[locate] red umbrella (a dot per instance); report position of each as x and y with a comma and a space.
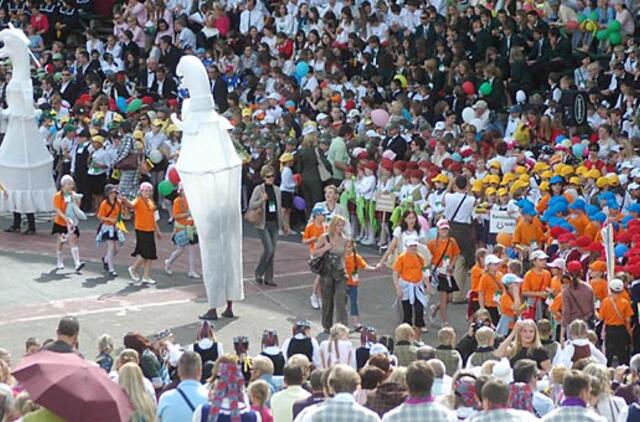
73, 388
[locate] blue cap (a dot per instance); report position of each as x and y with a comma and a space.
316, 211
620, 250
528, 210
591, 209
558, 200
599, 217
556, 179
613, 204
606, 196
635, 208
627, 218
524, 203
578, 204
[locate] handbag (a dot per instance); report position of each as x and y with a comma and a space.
130, 162
324, 167
254, 215
317, 264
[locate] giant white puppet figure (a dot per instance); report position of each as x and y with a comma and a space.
25, 163
210, 171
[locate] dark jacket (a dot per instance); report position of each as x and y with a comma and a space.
387, 396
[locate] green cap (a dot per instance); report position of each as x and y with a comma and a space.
57, 56
70, 128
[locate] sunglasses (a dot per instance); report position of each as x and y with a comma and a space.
269, 176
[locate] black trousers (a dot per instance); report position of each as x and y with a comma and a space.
17, 220
617, 343
413, 314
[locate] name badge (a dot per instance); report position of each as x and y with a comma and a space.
272, 207
156, 215
497, 296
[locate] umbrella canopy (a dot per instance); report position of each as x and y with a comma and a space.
73, 388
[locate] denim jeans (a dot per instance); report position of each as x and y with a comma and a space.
352, 293
269, 238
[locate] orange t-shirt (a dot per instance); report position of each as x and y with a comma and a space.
544, 202
609, 316
556, 306
476, 273
437, 249
506, 306
180, 206
592, 231
145, 214
107, 210
555, 285
312, 230
60, 204
535, 281
600, 288
580, 222
526, 233
409, 266
352, 262
489, 286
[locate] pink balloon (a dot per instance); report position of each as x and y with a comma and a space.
379, 117
173, 176
571, 25
468, 88
424, 225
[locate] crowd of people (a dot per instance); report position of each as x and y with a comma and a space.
489, 148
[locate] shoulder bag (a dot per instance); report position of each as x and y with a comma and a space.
317, 264
130, 162
324, 166
254, 215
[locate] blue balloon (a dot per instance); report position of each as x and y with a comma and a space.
560, 138
620, 250
578, 150
302, 69
121, 102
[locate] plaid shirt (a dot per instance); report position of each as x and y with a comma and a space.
341, 408
503, 415
573, 414
413, 411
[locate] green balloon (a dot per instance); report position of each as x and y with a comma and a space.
582, 17
602, 34
615, 38
165, 188
614, 26
134, 105
594, 16
485, 88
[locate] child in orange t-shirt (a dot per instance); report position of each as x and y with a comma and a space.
490, 287
146, 231
312, 233
557, 267
509, 303
597, 281
444, 254
408, 279
536, 283
65, 225
108, 232
353, 263
476, 272
616, 314
184, 236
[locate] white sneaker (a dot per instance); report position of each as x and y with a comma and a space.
135, 277
315, 303
60, 266
193, 274
167, 267
149, 281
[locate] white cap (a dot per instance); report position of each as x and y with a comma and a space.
274, 96
627, 165
353, 113
481, 104
635, 172
412, 241
502, 371
538, 255
616, 285
521, 97
377, 349
511, 278
491, 259
633, 186
321, 116
443, 224
557, 263
308, 129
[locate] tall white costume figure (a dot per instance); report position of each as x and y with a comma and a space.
210, 171
25, 163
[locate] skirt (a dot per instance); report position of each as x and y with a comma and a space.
145, 245
287, 200
447, 284
97, 183
58, 229
108, 232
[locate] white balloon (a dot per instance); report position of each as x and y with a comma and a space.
468, 114
155, 156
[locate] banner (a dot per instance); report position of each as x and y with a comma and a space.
385, 202
609, 252
501, 222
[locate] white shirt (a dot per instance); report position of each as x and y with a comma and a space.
186, 39
102, 157
249, 18
346, 354
451, 203
286, 180
366, 187
314, 344
564, 354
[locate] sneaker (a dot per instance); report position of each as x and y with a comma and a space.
60, 266
432, 314
210, 315
167, 267
113, 274
424, 329
79, 267
149, 281
135, 277
315, 303
193, 274
91, 214
12, 229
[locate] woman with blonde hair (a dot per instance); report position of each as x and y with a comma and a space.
524, 343
333, 277
337, 349
307, 163
130, 379
130, 356
604, 402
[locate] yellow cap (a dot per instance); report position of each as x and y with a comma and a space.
524, 178
171, 129
547, 174
544, 186
137, 134
98, 115
117, 117
286, 157
502, 192
93, 131
97, 138
490, 191
246, 112
157, 122
613, 179
477, 186
442, 178
540, 167
602, 182
574, 180
507, 178
566, 171
494, 179
520, 170
487, 178
593, 174
495, 163
581, 170
64, 119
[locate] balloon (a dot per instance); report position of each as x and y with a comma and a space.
468, 114
582, 17
298, 203
578, 150
594, 16
614, 26
560, 138
620, 250
572, 25
602, 34
165, 188
379, 117
468, 88
302, 69
121, 102
485, 88
155, 156
173, 176
432, 233
590, 26
423, 222
505, 239
615, 38
134, 105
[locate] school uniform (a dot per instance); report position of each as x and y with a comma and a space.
145, 224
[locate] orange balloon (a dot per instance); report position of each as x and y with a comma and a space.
505, 239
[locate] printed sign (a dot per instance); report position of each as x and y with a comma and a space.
385, 202
501, 222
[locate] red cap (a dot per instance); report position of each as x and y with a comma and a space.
412, 165
415, 173
596, 247
470, 167
406, 174
634, 270
456, 167
349, 169
574, 267
624, 237
557, 231
583, 242
446, 162
566, 238
633, 252
424, 164
363, 155
371, 165
400, 165
386, 165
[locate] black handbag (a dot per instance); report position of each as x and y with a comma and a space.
317, 264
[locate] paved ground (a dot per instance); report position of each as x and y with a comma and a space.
35, 295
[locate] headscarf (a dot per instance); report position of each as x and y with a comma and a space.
521, 397
229, 385
465, 388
